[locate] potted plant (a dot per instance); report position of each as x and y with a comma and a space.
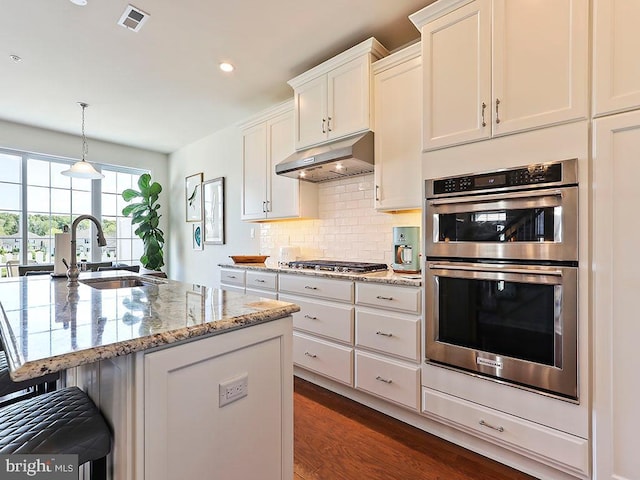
144, 213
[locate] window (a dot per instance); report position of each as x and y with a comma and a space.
37, 199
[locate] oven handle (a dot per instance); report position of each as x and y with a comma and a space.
500, 196
488, 268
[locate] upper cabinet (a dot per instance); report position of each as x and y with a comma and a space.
493, 67
266, 141
616, 70
398, 124
333, 100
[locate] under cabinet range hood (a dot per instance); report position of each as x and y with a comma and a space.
343, 158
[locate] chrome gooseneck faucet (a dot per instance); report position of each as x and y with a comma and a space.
72, 271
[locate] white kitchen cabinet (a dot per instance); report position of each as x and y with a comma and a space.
266, 141
388, 338
616, 281
323, 328
398, 126
232, 279
511, 431
183, 407
333, 100
262, 284
493, 67
329, 359
616, 70
251, 282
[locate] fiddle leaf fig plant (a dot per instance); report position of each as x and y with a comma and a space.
144, 213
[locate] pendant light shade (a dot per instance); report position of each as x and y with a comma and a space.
83, 169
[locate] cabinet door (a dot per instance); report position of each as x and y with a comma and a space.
254, 183
616, 281
184, 418
540, 63
283, 196
398, 95
456, 61
311, 107
616, 71
349, 98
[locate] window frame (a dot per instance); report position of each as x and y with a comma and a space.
95, 193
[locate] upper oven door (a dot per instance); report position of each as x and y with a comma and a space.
524, 225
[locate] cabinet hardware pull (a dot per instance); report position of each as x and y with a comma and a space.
323, 129
268, 209
384, 334
264, 207
377, 193
232, 276
484, 107
329, 124
310, 317
485, 424
380, 297
310, 288
259, 280
382, 379
497, 113
312, 355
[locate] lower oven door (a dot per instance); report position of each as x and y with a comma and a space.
513, 322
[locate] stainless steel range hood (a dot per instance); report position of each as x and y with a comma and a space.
342, 158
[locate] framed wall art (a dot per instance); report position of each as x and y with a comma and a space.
196, 236
213, 200
193, 197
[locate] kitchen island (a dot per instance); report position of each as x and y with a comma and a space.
183, 373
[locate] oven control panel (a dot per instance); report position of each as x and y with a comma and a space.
517, 177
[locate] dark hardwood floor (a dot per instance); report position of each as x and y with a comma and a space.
338, 439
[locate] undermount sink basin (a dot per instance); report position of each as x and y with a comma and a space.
110, 283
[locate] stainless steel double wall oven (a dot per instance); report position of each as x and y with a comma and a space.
501, 274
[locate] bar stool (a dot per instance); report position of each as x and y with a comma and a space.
32, 387
62, 422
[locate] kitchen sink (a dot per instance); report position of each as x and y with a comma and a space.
110, 283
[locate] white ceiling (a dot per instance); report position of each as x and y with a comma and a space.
161, 88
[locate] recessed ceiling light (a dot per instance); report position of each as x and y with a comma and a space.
82, 3
15, 58
226, 67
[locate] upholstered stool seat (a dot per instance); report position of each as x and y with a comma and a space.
8, 386
65, 421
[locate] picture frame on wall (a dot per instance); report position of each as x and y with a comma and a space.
193, 197
197, 236
213, 201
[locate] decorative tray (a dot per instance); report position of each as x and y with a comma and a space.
248, 258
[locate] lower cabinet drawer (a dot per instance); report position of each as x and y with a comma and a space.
262, 293
232, 288
325, 358
262, 280
232, 276
388, 332
509, 431
390, 379
322, 318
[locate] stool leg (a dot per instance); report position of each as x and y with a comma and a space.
99, 469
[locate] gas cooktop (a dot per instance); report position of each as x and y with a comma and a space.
338, 266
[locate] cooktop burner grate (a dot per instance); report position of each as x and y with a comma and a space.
338, 266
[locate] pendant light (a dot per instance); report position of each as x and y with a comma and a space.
83, 169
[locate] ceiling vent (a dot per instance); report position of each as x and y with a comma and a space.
133, 18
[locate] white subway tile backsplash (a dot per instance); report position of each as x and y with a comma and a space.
348, 227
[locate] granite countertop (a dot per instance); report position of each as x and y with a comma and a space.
389, 276
47, 327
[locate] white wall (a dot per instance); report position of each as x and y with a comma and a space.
217, 155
